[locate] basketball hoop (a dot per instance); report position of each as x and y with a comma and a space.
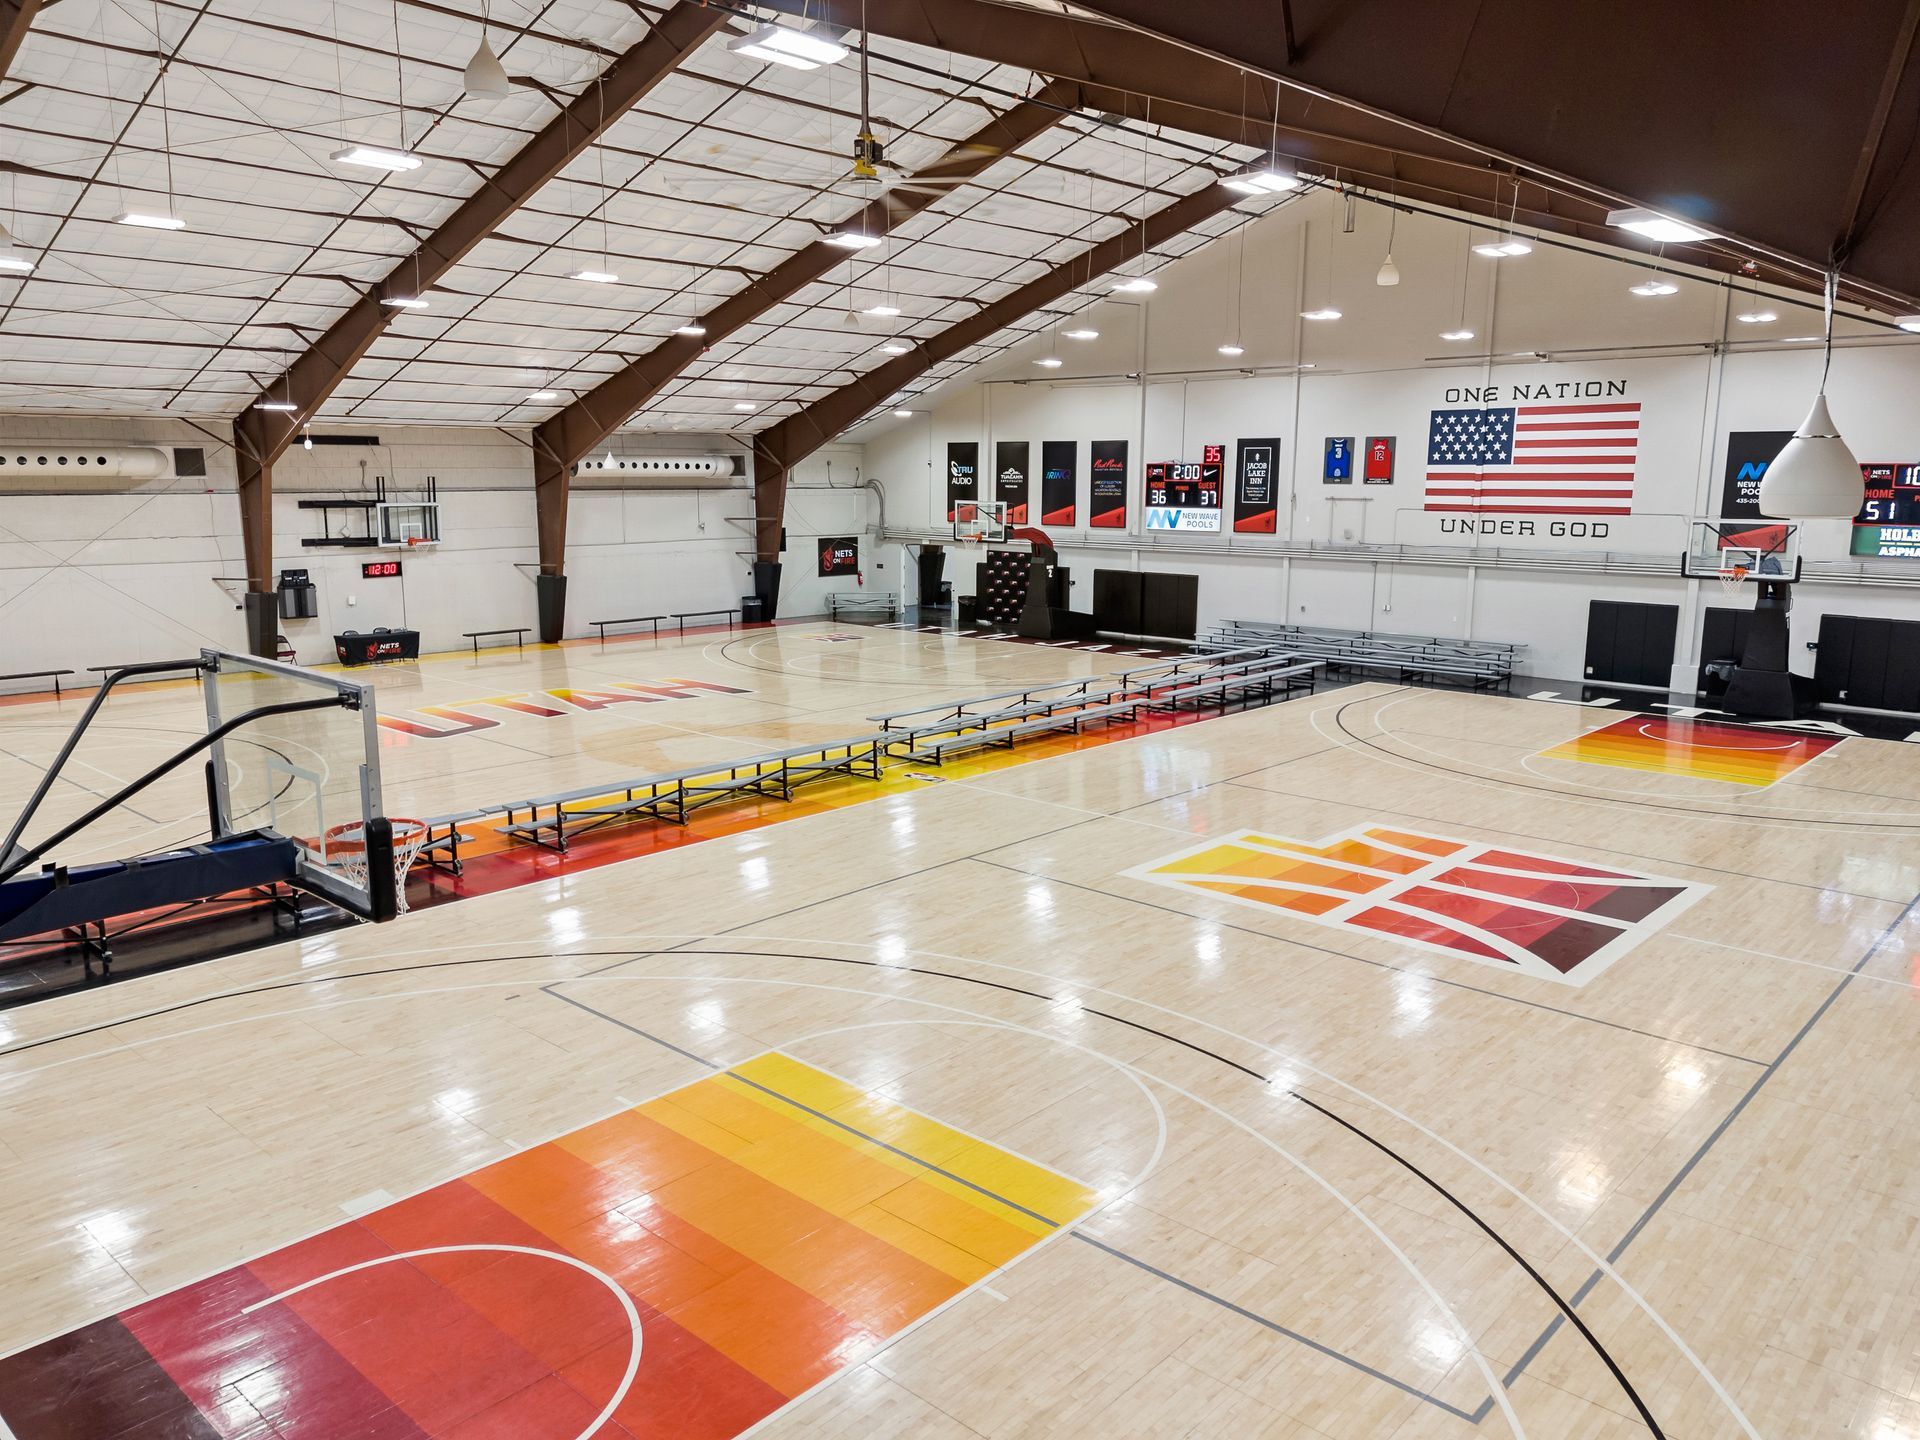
344, 848
1730, 579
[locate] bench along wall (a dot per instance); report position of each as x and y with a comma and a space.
1155, 379
96, 570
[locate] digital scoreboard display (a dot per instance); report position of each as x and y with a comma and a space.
379, 569
1888, 525
1186, 495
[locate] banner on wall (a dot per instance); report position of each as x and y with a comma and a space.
839, 555
1010, 459
963, 478
1256, 498
1337, 466
1379, 460
1059, 481
1107, 499
1749, 452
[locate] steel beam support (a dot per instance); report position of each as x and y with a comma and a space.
16, 18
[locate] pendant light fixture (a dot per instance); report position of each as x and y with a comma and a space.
166, 219
1233, 348
1461, 330
1327, 311
1816, 477
379, 157
485, 77
605, 274
13, 261
1389, 272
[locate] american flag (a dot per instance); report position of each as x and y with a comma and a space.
1533, 459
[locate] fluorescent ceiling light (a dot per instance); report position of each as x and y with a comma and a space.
1656, 226
903, 414
1233, 349
149, 222
1137, 285
881, 310
692, 327
894, 349
1051, 362
1799, 340
1655, 286
853, 240
1456, 334
1087, 332
1325, 312
594, 277
1909, 322
12, 262
281, 405
375, 158
1503, 247
1264, 181
544, 395
796, 49
745, 405
404, 302
1756, 317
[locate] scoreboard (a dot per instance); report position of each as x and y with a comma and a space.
1186, 495
1888, 525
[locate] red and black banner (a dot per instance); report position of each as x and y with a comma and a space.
963, 478
1059, 480
1107, 498
1256, 494
1010, 460
839, 555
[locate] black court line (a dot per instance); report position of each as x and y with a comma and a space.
1560, 1301
1472, 1417
1693, 1161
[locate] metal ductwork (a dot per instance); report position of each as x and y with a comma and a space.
664, 472
110, 462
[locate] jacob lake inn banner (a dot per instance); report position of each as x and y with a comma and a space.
1541, 464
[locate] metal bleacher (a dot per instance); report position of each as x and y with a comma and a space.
927, 735
1478, 664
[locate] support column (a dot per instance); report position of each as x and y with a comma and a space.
552, 488
769, 515
261, 601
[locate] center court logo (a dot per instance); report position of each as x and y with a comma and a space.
1552, 919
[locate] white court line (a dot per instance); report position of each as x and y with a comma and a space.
635, 1338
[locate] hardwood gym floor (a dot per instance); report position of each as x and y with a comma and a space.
1384, 1063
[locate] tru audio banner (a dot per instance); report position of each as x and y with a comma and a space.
1059, 480
1010, 459
963, 478
1256, 504
1107, 501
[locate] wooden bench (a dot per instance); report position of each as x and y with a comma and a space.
653, 620
685, 615
519, 633
53, 675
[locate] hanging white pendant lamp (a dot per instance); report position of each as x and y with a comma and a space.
1389, 272
486, 77
1816, 477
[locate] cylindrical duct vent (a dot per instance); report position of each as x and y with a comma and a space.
684, 468
113, 462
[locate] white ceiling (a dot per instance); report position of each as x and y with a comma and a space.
725, 170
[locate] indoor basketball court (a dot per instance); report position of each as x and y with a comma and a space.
939, 718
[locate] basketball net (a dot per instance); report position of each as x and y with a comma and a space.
1730, 579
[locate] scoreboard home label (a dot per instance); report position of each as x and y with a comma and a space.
1182, 495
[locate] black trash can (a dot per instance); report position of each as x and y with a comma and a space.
967, 606
753, 610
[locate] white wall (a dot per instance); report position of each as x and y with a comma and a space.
1156, 379
96, 572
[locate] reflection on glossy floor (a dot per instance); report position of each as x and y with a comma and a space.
1335, 1182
